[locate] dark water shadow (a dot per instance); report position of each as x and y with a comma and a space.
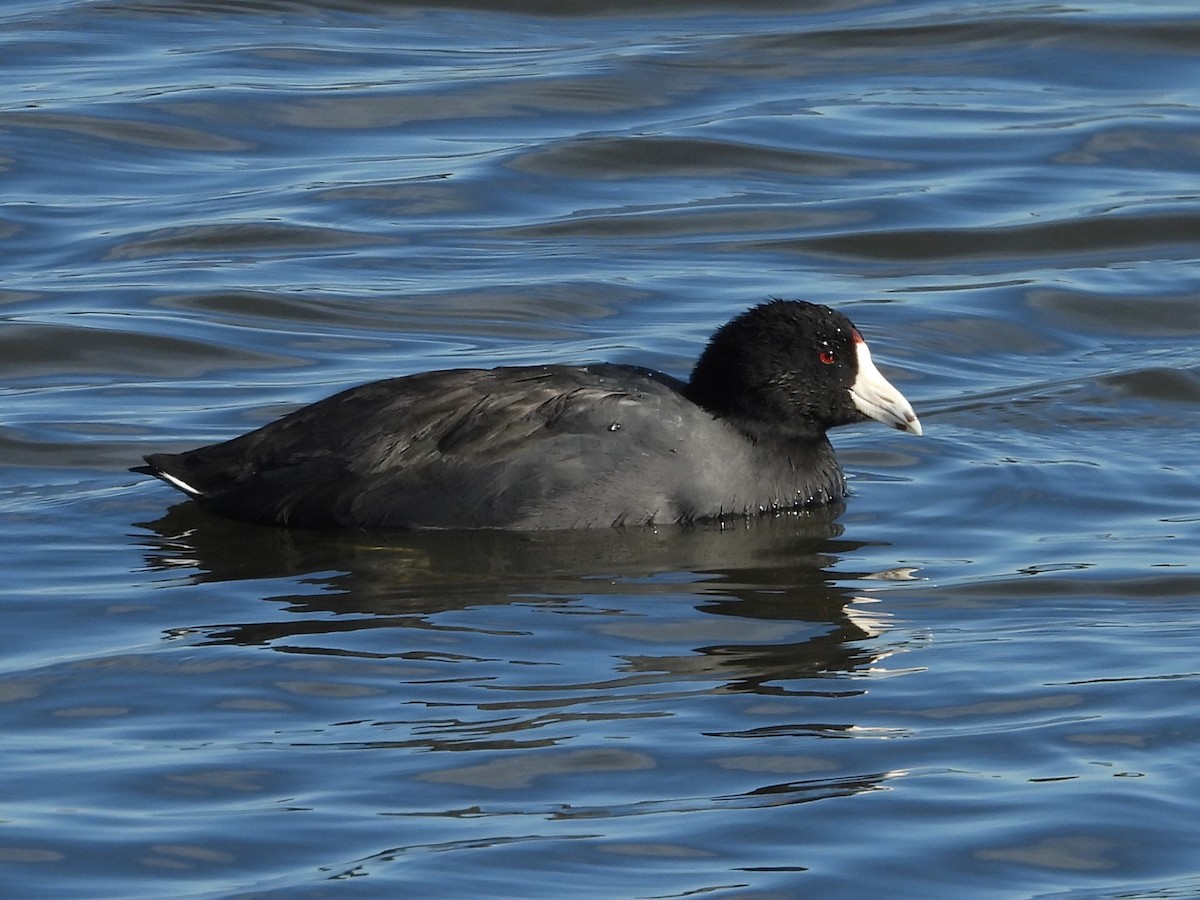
771, 570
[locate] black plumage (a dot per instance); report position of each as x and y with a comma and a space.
562, 446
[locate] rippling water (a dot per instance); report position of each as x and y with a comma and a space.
979, 679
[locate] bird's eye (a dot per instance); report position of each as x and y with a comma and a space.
828, 357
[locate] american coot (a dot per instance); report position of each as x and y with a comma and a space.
564, 446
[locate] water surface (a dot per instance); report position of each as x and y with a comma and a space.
977, 679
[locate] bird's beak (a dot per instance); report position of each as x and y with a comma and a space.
875, 397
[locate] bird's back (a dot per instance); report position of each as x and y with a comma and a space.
517, 447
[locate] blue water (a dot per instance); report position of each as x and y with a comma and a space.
979, 679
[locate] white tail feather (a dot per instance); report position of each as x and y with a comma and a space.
179, 483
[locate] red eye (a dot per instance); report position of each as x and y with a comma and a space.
827, 357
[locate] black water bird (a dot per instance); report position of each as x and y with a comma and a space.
549, 447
